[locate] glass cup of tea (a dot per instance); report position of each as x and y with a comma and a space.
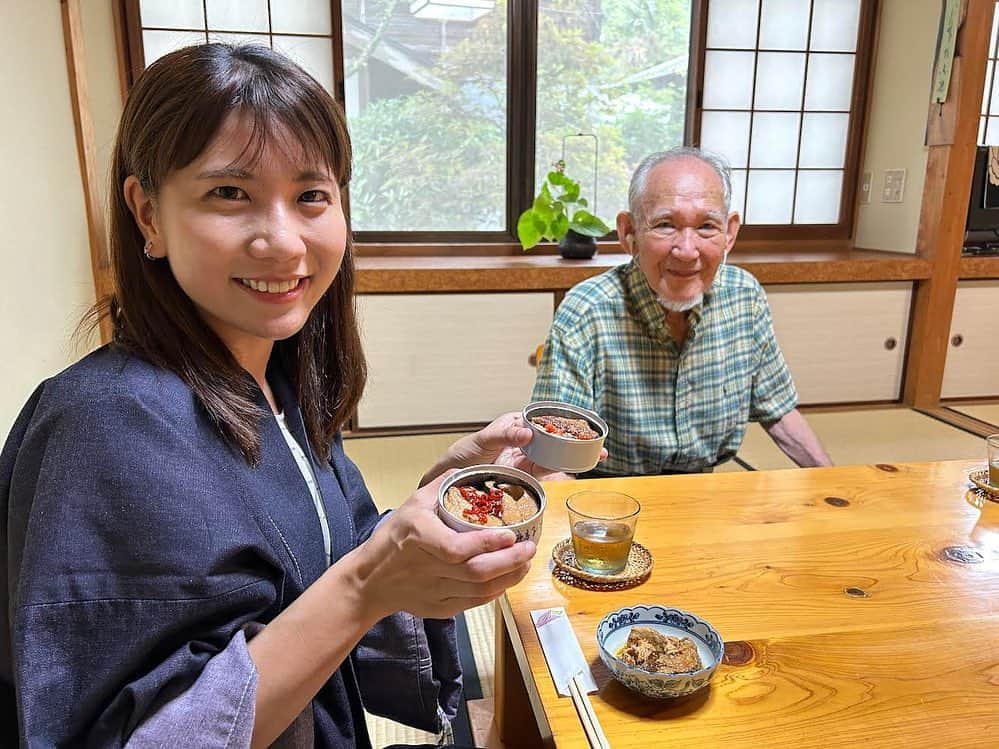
992, 445
602, 524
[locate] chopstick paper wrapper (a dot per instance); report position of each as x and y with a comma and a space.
561, 649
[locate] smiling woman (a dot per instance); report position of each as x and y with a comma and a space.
253, 245
200, 185
186, 537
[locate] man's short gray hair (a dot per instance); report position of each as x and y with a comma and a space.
640, 179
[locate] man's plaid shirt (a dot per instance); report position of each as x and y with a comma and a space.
668, 409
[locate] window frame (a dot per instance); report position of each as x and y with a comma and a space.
863, 72
520, 143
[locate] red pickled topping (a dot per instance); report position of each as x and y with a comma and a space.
482, 503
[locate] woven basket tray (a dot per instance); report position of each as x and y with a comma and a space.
637, 570
980, 478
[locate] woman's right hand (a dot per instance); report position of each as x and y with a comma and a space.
415, 563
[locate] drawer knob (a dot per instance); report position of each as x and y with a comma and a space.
890, 343
957, 340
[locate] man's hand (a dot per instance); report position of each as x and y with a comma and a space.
498, 443
795, 437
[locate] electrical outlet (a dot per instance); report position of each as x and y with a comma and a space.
894, 186
865, 187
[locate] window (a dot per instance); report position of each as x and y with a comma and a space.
303, 30
426, 102
617, 72
457, 108
777, 98
988, 123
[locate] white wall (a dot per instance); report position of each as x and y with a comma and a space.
44, 244
897, 125
103, 81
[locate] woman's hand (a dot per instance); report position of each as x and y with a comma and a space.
415, 563
498, 443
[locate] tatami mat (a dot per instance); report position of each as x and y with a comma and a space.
729, 467
481, 625
386, 733
869, 436
989, 413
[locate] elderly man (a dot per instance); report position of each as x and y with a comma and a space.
676, 349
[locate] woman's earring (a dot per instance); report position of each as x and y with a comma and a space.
147, 250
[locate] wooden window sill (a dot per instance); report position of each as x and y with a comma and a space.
416, 274
979, 267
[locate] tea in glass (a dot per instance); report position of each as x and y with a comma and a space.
602, 524
992, 445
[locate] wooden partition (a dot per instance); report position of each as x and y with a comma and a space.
844, 343
973, 345
448, 358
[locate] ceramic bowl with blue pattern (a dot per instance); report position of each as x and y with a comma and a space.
612, 634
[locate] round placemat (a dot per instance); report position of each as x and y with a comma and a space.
638, 568
980, 478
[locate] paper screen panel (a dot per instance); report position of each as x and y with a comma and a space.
172, 14
817, 197
830, 82
834, 25
823, 140
775, 139
784, 24
315, 54
301, 17
728, 80
732, 23
156, 43
780, 79
739, 192
726, 133
769, 197
237, 15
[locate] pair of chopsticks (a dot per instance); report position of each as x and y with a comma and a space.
594, 733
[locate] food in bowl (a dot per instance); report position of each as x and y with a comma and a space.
613, 634
522, 487
653, 651
491, 503
565, 437
578, 429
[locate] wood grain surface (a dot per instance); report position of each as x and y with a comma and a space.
858, 604
436, 273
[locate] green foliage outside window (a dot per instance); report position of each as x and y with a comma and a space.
434, 159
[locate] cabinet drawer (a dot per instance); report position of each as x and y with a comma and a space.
972, 367
843, 342
448, 358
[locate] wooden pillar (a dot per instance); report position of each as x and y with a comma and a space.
80, 94
952, 131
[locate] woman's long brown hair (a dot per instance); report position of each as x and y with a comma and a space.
174, 110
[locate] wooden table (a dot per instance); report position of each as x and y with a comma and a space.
859, 605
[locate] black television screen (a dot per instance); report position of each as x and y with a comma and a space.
983, 207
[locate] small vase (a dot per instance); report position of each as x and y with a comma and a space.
575, 246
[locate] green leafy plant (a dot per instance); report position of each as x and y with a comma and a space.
557, 209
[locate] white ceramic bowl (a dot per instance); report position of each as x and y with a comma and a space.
612, 634
563, 453
528, 530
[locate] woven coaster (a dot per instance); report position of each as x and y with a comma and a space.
568, 570
980, 478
